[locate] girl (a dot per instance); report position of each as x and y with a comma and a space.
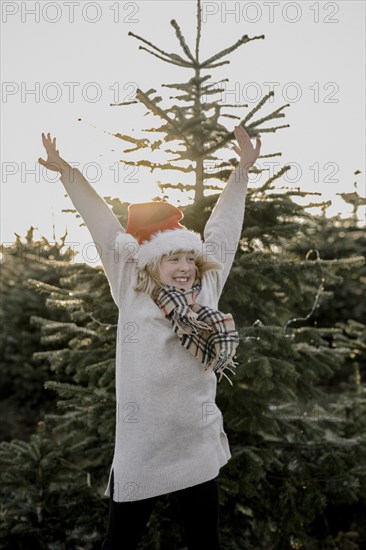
172, 339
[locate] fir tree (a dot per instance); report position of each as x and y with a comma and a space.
195, 124
21, 394
48, 480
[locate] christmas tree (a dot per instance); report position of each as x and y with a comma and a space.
22, 396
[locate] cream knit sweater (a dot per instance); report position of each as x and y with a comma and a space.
169, 432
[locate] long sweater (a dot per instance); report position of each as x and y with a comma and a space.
169, 432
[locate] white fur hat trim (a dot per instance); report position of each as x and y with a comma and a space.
165, 242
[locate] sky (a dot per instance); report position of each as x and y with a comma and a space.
64, 63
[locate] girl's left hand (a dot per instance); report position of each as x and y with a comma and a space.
248, 154
54, 161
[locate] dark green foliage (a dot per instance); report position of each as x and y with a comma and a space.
50, 479
22, 377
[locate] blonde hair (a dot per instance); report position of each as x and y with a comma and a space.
148, 279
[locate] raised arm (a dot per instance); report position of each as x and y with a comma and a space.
223, 228
103, 225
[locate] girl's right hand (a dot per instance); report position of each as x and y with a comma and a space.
54, 161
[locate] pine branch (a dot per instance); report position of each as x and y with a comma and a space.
257, 107
228, 50
107, 364
123, 103
218, 64
275, 176
47, 325
64, 388
250, 128
156, 165
143, 142
52, 356
179, 186
181, 62
57, 303
41, 287
267, 130
171, 56
275, 114
159, 112
182, 41
206, 88
199, 25
325, 204
270, 155
233, 106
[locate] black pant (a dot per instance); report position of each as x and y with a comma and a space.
199, 511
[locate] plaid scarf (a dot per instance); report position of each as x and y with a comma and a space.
207, 333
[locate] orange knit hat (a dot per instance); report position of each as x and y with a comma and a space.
146, 218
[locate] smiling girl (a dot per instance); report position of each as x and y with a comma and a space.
166, 282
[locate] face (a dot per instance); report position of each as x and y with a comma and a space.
178, 270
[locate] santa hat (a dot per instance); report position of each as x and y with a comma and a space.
156, 227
